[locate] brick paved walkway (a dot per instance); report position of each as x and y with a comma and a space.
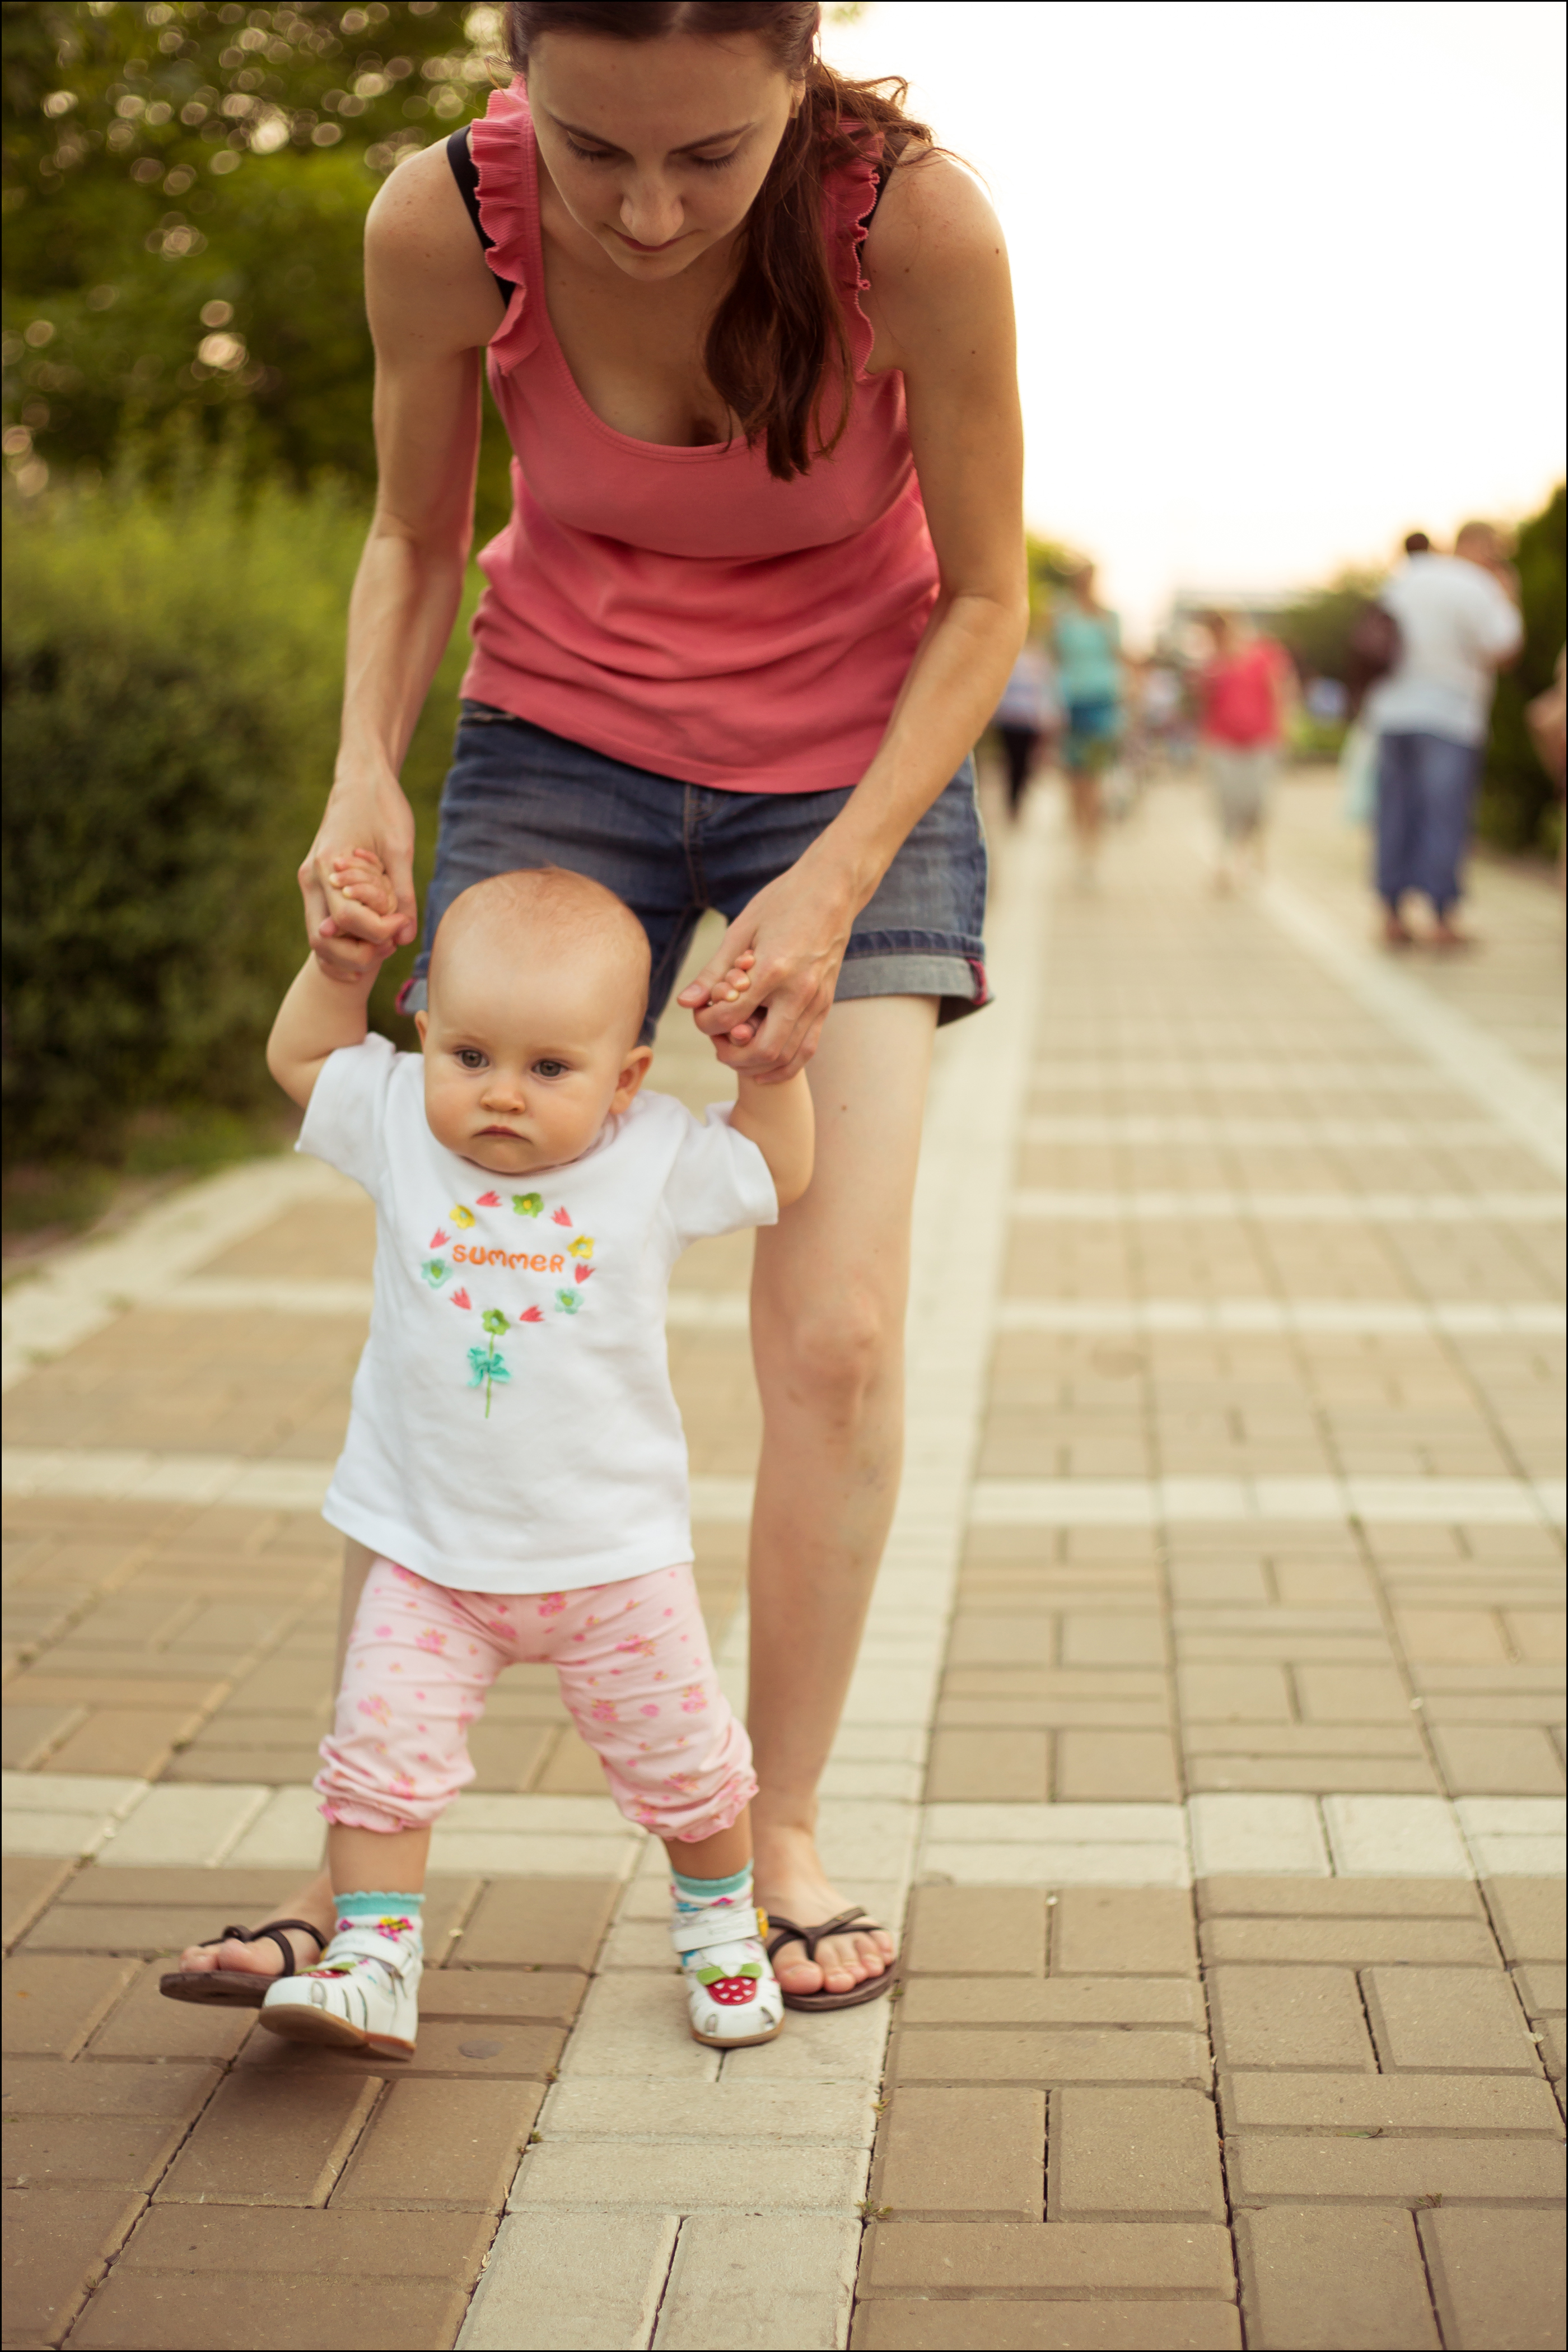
1209, 1710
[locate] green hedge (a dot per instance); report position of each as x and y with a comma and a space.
1518, 809
171, 671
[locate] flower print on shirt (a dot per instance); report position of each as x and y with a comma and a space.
435, 1270
488, 1200
561, 1218
462, 1217
528, 1204
582, 1248
567, 1302
486, 1365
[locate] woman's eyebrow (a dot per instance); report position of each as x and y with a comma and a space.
596, 139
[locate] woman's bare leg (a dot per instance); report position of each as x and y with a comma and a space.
313, 1900
827, 1326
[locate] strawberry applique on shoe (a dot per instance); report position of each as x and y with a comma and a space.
733, 2000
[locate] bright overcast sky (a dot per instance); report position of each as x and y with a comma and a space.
1289, 273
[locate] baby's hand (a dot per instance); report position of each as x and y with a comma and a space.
728, 992
358, 879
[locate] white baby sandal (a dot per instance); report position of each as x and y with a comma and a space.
732, 1994
363, 1994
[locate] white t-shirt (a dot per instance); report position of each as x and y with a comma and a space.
513, 1427
1456, 624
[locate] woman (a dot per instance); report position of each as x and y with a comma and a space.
1245, 692
760, 592
1025, 720
1086, 639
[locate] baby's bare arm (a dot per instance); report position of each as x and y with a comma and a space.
780, 1121
318, 1014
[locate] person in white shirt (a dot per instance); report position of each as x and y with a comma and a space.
1458, 625
515, 1460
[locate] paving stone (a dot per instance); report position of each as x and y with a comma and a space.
1261, 1833
286, 2314
550, 1923
1104, 2257
506, 1995
610, 2107
1359, 2102
716, 2176
134, 1740
1338, 1898
1056, 2000
224, 1893
1287, 2167
1225, 1694
30, 1881
467, 2049
1527, 1915
1123, 1931
1498, 2278
442, 2143
1025, 2054
52, 2004
571, 2280
1101, 1766
272, 2141
963, 2151
977, 1930
1348, 1943
1455, 2018
761, 2279
1149, 2152
207, 2242
993, 2325
28, 1733
1503, 1761
143, 1927
144, 2025
1395, 1837
58, 2241
989, 1764
1331, 2277
1289, 2017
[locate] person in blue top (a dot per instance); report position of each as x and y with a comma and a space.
1086, 640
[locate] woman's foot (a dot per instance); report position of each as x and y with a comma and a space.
791, 1882
263, 1958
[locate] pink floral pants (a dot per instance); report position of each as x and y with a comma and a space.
636, 1675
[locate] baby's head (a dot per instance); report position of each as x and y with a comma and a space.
538, 989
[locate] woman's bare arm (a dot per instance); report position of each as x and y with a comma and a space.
434, 304
941, 304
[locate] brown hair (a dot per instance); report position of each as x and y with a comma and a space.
778, 341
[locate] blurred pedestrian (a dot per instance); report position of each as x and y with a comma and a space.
1026, 718
1458, 625
1246, 691
1086, 639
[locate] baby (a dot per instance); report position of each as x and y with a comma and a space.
515, 1457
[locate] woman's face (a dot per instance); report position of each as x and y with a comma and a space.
657, 149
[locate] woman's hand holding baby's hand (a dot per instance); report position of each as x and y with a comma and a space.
783, 985
354, 883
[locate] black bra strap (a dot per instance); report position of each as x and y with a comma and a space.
465, 171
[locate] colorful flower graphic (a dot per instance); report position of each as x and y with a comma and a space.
603, 1711
438, 1240
552, 1604
461, 1298
527, 1204
561, 1218
462, 1217
567, 1302
485, 1366
432, 1639
582, 1248
531, 1315
488, 1201
583, 1273
435, 1270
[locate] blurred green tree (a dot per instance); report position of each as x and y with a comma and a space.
1315, 630
184, 198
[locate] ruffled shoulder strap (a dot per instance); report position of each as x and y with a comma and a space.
501, 144
849, 196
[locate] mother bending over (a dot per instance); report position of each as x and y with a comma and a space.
752, 339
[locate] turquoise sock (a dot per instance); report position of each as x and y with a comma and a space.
691, 1893
374, 1903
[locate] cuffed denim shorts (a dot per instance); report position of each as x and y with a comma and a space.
519, 796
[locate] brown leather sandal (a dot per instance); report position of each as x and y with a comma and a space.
782, 1931
231, 1988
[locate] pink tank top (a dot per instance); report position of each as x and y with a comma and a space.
680, 609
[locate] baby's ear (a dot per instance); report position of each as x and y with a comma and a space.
422, 1022
633, 1070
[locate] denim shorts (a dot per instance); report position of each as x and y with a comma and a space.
519, 796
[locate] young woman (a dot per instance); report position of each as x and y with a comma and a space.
1086, 638
752, 338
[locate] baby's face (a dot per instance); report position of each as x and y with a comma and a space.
522, 1067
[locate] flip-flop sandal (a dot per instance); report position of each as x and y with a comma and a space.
782, 1931
231, 1988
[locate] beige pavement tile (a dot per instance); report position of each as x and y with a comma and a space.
1328, 2276
977, 1930
962, 2152
1149, 2152
59, 2242
269, 2140
1528, 1916
1496, 2277
1453, 2018
1287, 2017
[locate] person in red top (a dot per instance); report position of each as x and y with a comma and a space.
751, 337
1245, 692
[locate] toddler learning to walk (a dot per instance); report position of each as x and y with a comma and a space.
514, 1458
